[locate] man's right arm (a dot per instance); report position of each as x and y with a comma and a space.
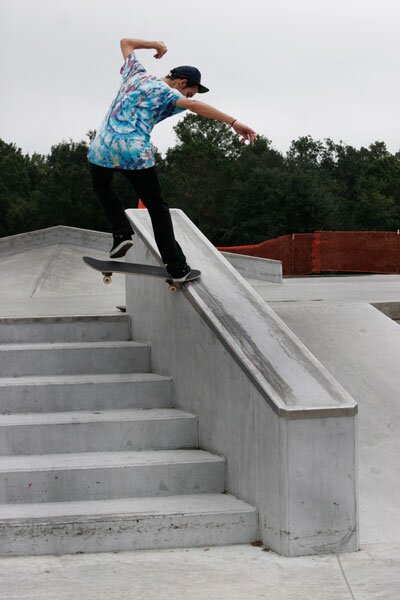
130, 45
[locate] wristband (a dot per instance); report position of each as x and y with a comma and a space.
234, 121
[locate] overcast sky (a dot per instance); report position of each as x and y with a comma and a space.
287, 68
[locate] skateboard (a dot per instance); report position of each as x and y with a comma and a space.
108, 267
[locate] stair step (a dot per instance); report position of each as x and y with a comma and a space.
73, 358
84, 392
92, 455
107, 475
85, 328
127, 524
100, 431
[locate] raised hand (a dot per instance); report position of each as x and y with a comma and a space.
161, 49
246, 132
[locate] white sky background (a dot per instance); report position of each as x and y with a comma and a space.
288, 68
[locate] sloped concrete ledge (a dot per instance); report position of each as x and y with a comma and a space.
286, 427
293, 382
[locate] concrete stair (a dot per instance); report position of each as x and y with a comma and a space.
106, 475
73, 358
93, 456
97, 431
84, 392
132, 524
104, 328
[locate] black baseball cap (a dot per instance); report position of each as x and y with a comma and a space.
191, 74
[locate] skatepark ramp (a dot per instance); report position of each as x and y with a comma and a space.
46, 276
286, 427
40, 266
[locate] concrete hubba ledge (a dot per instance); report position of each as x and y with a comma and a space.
285, 426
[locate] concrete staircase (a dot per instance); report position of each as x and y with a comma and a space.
93, 456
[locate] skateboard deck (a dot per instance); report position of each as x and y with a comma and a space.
108, 267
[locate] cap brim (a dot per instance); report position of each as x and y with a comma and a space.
202, 89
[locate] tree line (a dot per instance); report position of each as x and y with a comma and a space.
236, 194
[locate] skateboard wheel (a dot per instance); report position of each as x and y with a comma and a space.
172, 289
107, 279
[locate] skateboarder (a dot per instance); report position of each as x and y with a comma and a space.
123, 144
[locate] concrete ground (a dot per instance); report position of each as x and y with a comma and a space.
345, 288
231, 572
66, 286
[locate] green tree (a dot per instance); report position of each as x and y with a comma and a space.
236, 194
257, 195
19, 176
197, 174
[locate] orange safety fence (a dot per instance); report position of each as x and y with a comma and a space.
330, 251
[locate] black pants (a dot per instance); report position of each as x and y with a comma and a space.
146, 185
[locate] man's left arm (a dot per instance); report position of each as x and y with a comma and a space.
130, 45
208, 111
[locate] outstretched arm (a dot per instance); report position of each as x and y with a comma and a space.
129, 45
205, 110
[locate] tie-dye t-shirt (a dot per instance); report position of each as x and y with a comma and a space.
123, 140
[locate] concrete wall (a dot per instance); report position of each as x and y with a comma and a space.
363, 354
253, 267
285, 426
55, 235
